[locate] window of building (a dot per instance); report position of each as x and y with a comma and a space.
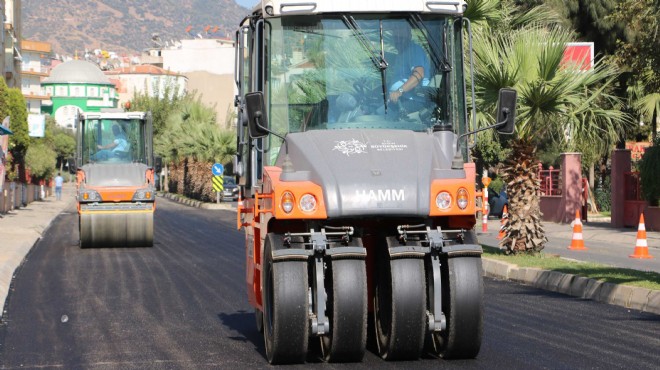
61, 91
93, 91
77, 91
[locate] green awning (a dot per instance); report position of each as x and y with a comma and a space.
5, 131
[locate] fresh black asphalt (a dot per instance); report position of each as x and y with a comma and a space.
182, 305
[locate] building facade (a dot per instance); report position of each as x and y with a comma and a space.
145, 79
77, 86
35, 55
208, 64
11, 39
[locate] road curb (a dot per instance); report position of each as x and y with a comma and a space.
194, 203
636, 298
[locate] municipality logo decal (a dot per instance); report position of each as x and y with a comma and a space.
349, 147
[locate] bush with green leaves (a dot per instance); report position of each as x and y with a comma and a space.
649, 170
496, 185
603, 195
41, 160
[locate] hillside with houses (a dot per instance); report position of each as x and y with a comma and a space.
72, 26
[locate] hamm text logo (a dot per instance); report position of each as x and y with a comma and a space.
380, 195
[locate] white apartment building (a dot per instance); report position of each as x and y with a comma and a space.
34, 54
147, 79
209, 66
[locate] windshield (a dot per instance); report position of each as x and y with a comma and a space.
362, 71
113, 140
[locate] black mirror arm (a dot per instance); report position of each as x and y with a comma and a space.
457, 162
257, 118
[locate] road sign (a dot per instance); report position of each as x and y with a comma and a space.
218, 183
217, 169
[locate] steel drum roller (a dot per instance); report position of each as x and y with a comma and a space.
117, 230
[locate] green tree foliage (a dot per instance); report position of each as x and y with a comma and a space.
191, 142
192, 131
18, 120
590, 19
40, 159
161, 103
638, 55
649, 170
555, 104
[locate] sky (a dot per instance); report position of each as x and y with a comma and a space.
247, 3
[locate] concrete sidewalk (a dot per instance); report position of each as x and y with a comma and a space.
605, 244
21, 228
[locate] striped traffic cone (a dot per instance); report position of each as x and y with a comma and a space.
641, 248
577, 244
505, 217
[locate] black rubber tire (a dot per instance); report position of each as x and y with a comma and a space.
400, 307
462, 304
259, 320
346, 287
285, 303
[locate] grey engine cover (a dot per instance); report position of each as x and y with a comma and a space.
119, 174
371, 172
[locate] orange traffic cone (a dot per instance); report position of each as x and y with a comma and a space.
577, 244
505, 217
641, 248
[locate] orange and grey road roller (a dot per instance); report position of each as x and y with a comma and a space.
114, 167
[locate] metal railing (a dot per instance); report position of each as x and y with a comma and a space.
550, 181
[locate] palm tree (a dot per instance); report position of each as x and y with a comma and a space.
192, 141
555, 102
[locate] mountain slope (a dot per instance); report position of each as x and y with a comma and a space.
125, 26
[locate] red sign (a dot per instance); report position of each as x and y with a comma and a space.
579, 54
637, 149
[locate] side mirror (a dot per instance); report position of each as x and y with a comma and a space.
506, 111
71, 163
158, 164
256, 113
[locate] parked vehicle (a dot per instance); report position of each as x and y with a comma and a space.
230, 191
497, 201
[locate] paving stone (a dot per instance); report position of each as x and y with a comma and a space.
653, 304
592, 290
639, 298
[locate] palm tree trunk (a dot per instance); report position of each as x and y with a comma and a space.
523, 229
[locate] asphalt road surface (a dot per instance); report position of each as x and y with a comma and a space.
182, 305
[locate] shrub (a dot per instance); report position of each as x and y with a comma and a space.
603, 195
40, 159
496, 185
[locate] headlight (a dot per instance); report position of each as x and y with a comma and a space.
143, 194
308, 203
462, 198
287, 202
89, 196
443, 200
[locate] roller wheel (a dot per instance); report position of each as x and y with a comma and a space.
346, 286
116, 230
400, 308
462, 304
286, 306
